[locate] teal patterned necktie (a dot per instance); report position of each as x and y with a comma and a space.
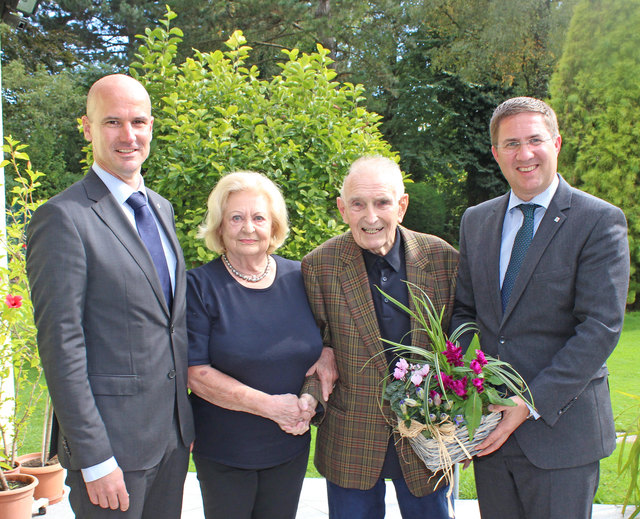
519, 251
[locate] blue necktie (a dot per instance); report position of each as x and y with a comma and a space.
148, 231
519, 251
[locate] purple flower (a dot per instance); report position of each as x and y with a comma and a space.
478, 383
476, 366
453, 354
458, 419
402, 366
481, 358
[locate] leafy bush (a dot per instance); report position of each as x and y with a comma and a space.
214, 115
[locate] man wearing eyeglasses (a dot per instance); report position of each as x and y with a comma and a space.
544, 273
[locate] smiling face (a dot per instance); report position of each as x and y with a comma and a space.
373, 207
118, 124
246, 225
530, 170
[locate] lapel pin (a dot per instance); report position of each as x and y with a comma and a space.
556, 219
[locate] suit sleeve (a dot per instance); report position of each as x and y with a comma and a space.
57, 270
601, 284
316, 302
464, 310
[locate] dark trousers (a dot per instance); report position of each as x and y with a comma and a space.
510, 486
352, 503
233, 493
155, 493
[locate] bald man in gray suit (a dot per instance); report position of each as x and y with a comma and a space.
110, 311
552, 305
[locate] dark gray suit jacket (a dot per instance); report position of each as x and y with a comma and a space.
563, 319
114, 357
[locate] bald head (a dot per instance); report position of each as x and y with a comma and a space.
116, 86
378, 166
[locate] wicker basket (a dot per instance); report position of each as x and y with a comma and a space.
446, 448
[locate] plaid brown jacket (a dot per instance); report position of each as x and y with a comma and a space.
353, 435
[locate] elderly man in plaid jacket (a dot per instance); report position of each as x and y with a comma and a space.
356, 448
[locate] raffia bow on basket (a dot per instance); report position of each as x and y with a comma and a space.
440, 395
447, 444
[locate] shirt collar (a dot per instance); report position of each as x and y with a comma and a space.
393, 257
119, 189
543, 199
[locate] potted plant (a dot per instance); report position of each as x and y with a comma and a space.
16, 495
629, 458
20, 368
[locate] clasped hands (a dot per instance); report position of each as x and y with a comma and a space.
294, 413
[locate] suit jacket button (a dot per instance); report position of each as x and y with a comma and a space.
172, 373
171, 328
501, 340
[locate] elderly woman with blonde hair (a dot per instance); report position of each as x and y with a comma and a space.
252, 338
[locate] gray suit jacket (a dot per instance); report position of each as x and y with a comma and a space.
563, 319
114, 357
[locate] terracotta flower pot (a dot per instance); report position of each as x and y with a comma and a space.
50, 477
17, 503
14, 470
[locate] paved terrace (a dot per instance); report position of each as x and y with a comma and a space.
313, 504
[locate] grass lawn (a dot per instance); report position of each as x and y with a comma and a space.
625, 377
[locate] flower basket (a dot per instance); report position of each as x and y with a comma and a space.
449, 444
441, 395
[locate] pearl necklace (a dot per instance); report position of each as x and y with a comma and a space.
251, 279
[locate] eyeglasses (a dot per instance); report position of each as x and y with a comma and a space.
515, 146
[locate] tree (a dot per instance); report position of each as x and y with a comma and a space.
214, 115
41, 109
595, 93
515, 44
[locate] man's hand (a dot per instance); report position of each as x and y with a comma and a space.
109, 491
512, 417
327, 371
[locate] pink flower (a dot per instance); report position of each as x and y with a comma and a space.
402, 366
481, 358
453, 354
476, 366
419, 374
460, 387
13, 301
478, 383
435, 397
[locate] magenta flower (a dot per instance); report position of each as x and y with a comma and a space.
446, 380
481, 358
459, 387
13, 301
478, 383
476, 366
402, 366
453, 354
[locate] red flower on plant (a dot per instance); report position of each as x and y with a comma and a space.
481, 358
478, 383
453, 354
13, 301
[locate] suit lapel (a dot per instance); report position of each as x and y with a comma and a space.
553, 219
417, 264
355, 285
107, 209
491, 261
